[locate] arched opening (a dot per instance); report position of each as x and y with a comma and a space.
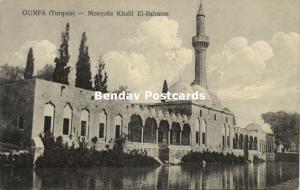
67, 122
84, 122
149, 132
135, 128
163, 132
236, 144
255, 143
186, 134
241, 141
251, 143
102, 125
246, 143
49, 117
175, 133
118, 126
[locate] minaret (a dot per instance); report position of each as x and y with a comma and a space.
200, 43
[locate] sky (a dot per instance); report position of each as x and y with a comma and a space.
253, 60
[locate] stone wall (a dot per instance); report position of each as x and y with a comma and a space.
148, 148
60, 95
16, 104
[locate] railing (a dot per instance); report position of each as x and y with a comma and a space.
201, 38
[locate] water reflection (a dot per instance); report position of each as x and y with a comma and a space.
248, 176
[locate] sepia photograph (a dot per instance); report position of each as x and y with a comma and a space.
149, 94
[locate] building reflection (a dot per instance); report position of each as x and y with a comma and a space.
247, 176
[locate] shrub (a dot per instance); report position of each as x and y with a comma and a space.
58, 155
196, 158
20, 160
11, 135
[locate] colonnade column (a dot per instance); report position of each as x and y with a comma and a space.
142, 140
156, 136
180, 135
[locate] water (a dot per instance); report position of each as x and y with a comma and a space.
248, 176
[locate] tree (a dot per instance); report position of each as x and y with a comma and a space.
121, 89
10, 73
285, 127
61, 70
100, 80
83, 66
46, 73
165, 89
29, 69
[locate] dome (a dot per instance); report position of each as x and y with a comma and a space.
207, 102
254, 127
181, 87
216, 102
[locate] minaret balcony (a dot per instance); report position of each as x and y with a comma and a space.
200, 42
201, 39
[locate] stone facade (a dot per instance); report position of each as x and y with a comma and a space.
159, 128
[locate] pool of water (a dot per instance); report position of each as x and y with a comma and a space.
247, 176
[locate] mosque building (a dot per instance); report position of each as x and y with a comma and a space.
166, 130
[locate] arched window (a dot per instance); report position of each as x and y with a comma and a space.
118, 125
135, 128
150, 131
175, 133
102, 124
203, 127
186, 134
49, 117
84, 122
67, 122
163, 132
224, 136
197, 134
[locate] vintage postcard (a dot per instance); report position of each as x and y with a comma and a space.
149, 94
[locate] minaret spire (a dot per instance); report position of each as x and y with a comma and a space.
200, 43
201, 10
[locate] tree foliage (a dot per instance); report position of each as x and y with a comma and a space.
197, 158
61, 70
100, 79
121, 89
29, 69
58, 154
83, 66
46, 73
285, 127
10, 73
11, 135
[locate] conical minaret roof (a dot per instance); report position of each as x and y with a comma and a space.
201, 10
